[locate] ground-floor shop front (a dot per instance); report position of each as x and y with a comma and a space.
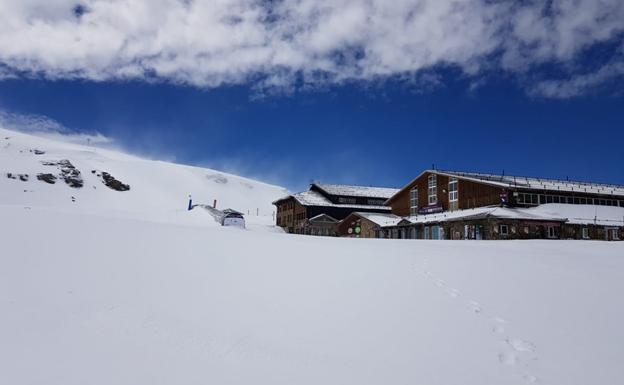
500, 229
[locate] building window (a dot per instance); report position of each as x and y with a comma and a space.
504, 230
426, 232
551, 232
585, 232
376, 202
433, 189
614, 234
414, 201
453, 194
527, 199
350, 201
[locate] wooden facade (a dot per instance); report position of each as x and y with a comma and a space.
290, 215
470, 194
474, 193
295, 213
440, 192
493, 228
356, 226
322, 225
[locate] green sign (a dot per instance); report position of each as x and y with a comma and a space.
358, 230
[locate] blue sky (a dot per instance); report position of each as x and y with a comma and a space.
354, 111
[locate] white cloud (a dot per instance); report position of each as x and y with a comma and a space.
44, 126
276, 44
579, 84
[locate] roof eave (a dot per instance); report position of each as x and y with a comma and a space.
387, 202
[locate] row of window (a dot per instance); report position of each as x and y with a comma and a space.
352, 201
429, 232
285, 206
552, 232
503, 230
432, 194
288, 218
476, 232
538, 199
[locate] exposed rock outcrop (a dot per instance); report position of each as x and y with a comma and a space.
110, 181
70, 174
48, 178
22, 177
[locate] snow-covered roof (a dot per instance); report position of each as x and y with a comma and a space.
575, 214
522, 182
485, 212
320, 216
381, 219
315, 198
357, 191
528, 183
584, 214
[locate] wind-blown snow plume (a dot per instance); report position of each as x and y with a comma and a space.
286, 43
47, 127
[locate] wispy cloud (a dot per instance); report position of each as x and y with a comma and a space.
579, 84
289, 44
44, 126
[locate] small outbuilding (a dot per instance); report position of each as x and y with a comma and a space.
367, 225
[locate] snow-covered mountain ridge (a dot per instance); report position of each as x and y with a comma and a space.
37, 171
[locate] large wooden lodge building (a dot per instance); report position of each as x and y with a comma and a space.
458, 205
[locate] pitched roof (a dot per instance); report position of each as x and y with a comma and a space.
325, 216
575, 214
533, 183
381, 219
315, 198
527, 183
357, 191
487, 212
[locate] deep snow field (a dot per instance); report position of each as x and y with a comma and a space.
129, 288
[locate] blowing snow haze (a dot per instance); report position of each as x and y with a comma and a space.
311, 192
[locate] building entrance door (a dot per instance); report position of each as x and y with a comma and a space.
435, 232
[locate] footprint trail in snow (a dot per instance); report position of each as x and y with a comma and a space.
513, 352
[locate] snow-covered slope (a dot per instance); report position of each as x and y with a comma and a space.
87, 299
129, 288
158, 190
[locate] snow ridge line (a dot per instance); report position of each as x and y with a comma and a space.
513, 352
